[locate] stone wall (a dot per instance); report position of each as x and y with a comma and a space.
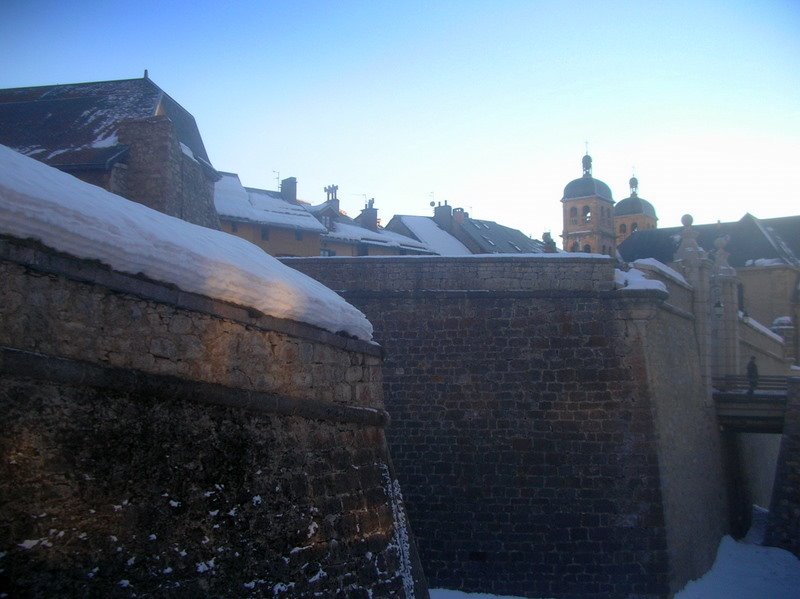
783, 525
161, 443
689, 446
162, 177
536, 423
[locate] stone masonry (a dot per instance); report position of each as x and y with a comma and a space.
161, 176
544, 445
159, 443
783, 525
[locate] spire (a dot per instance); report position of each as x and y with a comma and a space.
587, 166
634, 183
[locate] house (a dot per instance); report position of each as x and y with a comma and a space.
451, 232
362, 235
282, 225
273, 220
128, 137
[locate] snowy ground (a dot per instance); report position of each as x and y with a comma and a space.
742, 570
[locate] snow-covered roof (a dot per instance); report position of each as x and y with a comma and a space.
260, 206
75, 125
437, 239
68, 215
344, 231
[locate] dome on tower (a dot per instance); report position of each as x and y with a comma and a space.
634, 204
587, 185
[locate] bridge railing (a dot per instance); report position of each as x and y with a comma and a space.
739, 382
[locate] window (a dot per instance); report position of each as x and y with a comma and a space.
587, 214
234, 227
604, 249
587, 249
265, 233
489, 241
634, 227
573, 216
327, 222
327, 252
575, 247
623, 228
298, 235
515, 246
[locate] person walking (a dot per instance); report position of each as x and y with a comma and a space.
752, 374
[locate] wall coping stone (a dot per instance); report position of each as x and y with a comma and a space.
37, 256
30, 365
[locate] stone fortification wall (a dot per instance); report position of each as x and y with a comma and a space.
767, 349
690, 454
783, 525
533, 427
159, 443
161, 176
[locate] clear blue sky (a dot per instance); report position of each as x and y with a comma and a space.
484, 104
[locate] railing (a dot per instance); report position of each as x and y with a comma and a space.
737, 382
759, 411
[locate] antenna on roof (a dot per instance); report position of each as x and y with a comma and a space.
586, 143
277, 176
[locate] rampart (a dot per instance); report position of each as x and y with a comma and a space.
161, 443
553, 436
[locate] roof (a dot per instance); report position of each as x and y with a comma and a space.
345, 229
751, 241
260, 206
74, 126
498, 239
437, 239
634, 205
585, 187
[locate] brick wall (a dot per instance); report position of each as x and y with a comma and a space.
547, 431
161, 443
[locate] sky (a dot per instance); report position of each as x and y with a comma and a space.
486, 105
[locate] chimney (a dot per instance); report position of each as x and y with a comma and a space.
331, 192
369, 216
289, 190
442, 216
459, 216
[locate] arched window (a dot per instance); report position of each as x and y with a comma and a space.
634, 227
587, 214
575, 247
587, 249
604, 249
623, 228
573, 216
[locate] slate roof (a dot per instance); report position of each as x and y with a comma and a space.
775, 240
425, 229
74, 126
345, 229
498, 239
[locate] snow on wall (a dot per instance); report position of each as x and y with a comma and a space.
42, 203
636, 279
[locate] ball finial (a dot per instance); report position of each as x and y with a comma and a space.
687, 220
